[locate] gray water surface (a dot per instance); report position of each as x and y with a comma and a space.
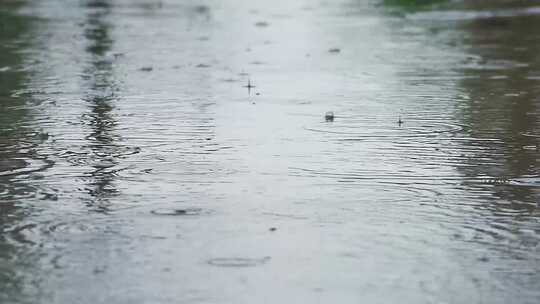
138, 166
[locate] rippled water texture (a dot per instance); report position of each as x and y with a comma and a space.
181, 151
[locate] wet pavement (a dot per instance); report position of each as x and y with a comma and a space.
182, 151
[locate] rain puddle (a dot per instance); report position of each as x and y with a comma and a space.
381, 151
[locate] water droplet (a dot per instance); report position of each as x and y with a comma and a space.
262, 24
483, 259
329, 116
178, 212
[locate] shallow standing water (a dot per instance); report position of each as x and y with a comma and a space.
138, 166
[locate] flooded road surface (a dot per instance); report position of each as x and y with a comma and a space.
178, 151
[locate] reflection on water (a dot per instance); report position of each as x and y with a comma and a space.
498, 102
502, 87
19, 159
503, 101
101, 96
423, 188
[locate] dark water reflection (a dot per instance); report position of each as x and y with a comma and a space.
19, 159
502, 83
102, 92
501, 80
498, 102
137, 167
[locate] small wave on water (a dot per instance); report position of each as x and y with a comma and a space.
525, 181
370, 129
21, 166
22, 158
180, 211
236, 262
460, 15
